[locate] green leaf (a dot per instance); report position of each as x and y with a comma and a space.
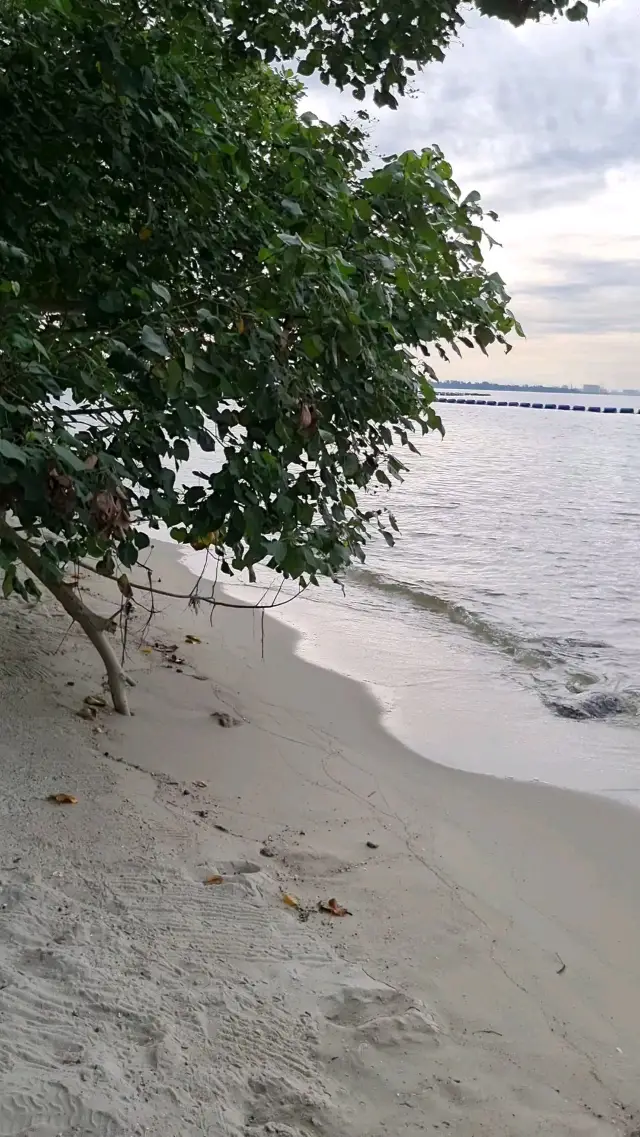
161, 291
154, 343
111, 301
68, 458
313, 346
13, 453
291, 207
181, 450
173, 373
128, 553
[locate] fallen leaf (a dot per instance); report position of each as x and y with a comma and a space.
201, 785
290, 901
146, 650
91, 462
63, 799
145, 233
333, 908
214, 880
87, 712
192, 639
95, 700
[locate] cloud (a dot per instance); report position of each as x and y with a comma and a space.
545, 121
584, 297
535, 115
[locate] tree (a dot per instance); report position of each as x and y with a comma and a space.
187, 262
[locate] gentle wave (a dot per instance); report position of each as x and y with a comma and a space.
564, 669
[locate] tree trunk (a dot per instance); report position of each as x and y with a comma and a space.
94, 626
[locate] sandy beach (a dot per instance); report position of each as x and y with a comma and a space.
485, 984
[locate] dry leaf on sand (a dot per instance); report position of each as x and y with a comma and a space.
192, 639
214, 879
333, 908
290, 901
63, 799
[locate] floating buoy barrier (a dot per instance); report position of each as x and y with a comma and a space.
539, 406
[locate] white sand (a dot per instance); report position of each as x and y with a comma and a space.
135, 999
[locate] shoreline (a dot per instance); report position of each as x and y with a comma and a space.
514, 735
487, 982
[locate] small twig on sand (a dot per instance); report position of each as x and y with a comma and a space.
562, 967
64, 637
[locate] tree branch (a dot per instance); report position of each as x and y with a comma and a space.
190, 596
93, 625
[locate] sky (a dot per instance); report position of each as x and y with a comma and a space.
545, 122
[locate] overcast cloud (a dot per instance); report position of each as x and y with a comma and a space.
545, 122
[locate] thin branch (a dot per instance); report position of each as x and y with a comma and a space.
189, 596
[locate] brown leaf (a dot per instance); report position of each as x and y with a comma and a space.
333, 908
95, 701
63, 799
145, 233
109, 513
60, 491
214, 879
91, 462
306, 417
125, 586
290, 901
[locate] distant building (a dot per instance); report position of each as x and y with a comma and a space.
592, 389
